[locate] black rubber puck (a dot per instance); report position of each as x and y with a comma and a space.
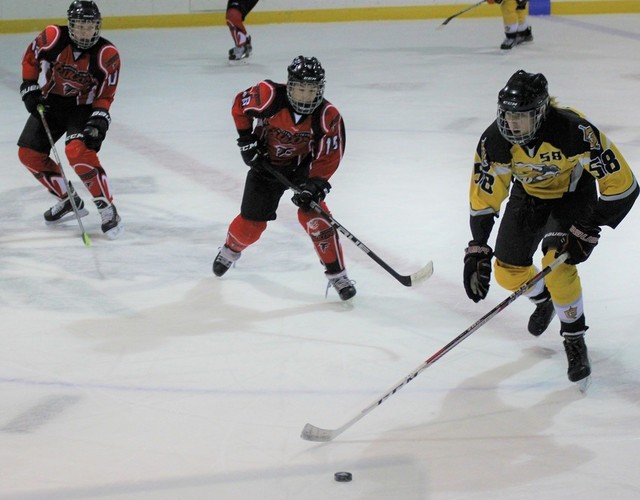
343, 477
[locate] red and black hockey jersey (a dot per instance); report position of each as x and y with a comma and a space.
90, 76
315, 141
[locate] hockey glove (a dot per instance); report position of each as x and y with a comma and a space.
31, 96
95, 130
521, 4
477, 270
314, 189
251, 151
580, 242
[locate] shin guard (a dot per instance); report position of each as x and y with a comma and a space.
45, 170
244, 232
87, 166
236, 27
324, 237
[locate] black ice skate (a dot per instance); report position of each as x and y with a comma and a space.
224, 260
240, 55
111, 226
542, 316
510, 41
63, 210
342, 284
524, 36
577, 356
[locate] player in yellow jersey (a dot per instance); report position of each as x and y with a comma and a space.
516, 26
564, 179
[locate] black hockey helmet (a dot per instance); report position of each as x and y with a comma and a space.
305, 84
522, 106
85, 23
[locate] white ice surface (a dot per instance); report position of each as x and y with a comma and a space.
127, 370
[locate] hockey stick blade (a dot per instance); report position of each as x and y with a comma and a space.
415, 278
450, 18
313, 433
423, 274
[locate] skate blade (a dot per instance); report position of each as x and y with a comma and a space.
115, 232
239, 62
584, 384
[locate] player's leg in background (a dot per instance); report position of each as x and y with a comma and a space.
524, 32
237, 11
510, 21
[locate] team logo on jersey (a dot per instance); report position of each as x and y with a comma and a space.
287, 137
589, 136
532, 173
69, 89
73, 81
571, 313
288, 144
284, 151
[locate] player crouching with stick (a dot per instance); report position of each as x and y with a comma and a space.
549, 161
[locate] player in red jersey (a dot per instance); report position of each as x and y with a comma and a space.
73, 72
302, 136
237, 11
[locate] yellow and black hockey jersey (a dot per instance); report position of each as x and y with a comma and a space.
568, 147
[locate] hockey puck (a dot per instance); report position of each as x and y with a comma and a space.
343, 477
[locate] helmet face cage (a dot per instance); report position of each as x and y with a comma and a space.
522, 107
85, 23
305, 84
520, 127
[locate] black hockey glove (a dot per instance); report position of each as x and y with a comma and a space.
521, 4
95, 130
580, 242
31, 96
313, 189
251, 150
477, 270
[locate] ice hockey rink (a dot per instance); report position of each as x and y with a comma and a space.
128, 371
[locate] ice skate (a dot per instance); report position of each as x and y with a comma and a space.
111, 226
542, 316
63, 210
342, 284
510, 41
241, 55
224, 260
524, 36
577, 357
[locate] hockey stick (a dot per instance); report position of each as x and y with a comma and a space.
313, 433
448, 19
85, 236
410, 280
